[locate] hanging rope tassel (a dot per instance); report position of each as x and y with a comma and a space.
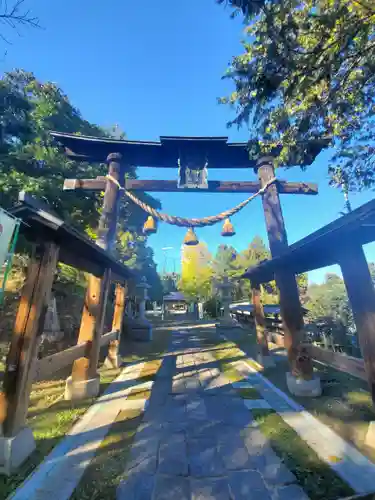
191, 238
228, 229
149, 227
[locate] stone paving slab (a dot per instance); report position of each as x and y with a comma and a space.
173, 459
170, 488
210, 489
248, 484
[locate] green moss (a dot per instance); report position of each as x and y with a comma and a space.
138, 394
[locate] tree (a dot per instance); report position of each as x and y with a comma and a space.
307, 74
328, 306
196, 272
224, 262
31, 161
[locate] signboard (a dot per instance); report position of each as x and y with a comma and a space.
7, 226
192, 172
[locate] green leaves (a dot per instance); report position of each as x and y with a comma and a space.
307, 73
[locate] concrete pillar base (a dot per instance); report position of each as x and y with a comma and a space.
14, 450
265, 361
370, 435
81, 389
113, 361
303, 388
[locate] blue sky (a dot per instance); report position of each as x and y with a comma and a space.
155, 68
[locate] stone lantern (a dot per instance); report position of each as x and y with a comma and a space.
141, 328
225, 290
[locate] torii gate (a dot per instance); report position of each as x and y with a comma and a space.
213, 152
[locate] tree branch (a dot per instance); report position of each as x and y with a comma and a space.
15, 15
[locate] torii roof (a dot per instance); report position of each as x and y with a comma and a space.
164, 153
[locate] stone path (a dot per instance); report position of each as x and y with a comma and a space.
60, 472
198, 439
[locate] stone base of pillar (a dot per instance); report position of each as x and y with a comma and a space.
14, 450
228, 323
370, 435
304, 388
265, 361
140, 330
81, 389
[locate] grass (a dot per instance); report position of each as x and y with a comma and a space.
50, 417
249, 393
345, 405
316, 477
106, 470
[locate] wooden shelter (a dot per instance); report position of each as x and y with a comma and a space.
339, 242
53, 240
175, 303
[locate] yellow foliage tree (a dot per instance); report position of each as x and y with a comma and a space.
196, 272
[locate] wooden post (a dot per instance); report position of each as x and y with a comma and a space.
113, 359
84, 381
22, 355
118, 314
109, 215
290, 305
361, 295
259, 319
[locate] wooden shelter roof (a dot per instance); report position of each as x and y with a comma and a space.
165, 153
76, 249
321, 248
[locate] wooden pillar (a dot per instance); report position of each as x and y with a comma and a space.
28, 327
91, 328
109, 215
118, 314
113, 359
259, 319
361, 295
290, 305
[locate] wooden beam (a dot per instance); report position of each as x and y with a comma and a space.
49, 365
97, 184
290, 305
260, 323
361, 295
29, 324
284, 187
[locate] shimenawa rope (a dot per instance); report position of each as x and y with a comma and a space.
184, 222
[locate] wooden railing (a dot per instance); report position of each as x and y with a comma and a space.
342, 362
48, 365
